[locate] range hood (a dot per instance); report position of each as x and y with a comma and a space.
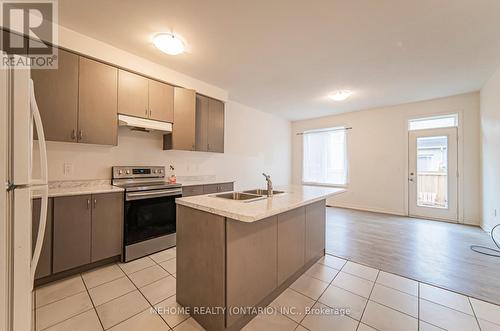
143, 124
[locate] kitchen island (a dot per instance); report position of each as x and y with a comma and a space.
235, 256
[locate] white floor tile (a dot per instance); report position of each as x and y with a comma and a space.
322, 272
147, 276
111, 290
102, 275
360, 271
357, 285
136, 265
395, 299
364, 327
486, 311
335, 297
162, 256
119, 309
159, 290
488, 326
61, 310
309, 286
446, 318
171, 311
170, 266
87, 321
142, 321
387, 319
332, 261
300, 328
272, 322
189, 325
292, 304
423, 326
399, 283
445, 298
324, 318
59, 290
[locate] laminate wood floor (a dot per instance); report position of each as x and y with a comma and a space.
432, 252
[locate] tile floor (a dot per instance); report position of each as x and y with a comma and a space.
334, 294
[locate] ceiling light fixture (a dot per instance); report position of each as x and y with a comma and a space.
169, 43
340, 95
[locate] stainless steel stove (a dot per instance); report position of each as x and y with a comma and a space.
149, 216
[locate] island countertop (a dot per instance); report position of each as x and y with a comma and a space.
295, 196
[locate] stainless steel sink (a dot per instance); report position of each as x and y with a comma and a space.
262, 192
238, 196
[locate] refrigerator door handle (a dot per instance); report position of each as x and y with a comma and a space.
35, 112
41, 229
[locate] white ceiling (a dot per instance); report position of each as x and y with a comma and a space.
285, 56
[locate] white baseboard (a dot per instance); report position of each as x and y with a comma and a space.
370, 209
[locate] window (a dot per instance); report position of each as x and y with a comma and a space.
325, 157
435, 122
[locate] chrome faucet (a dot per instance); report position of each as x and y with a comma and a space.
269, 185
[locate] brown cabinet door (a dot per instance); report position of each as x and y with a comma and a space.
56, 93
251, 265
44, 267
107, 225
161, 101
315, 230
291, 243
201, 123
72, 226
183, 135
132, 94
97, 111
215, 126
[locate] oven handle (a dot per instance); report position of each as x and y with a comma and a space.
151, 194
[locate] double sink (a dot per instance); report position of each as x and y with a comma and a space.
247, 196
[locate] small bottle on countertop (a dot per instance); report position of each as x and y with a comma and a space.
172, 179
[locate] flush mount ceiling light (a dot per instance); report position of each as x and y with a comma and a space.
169, 43
340, 95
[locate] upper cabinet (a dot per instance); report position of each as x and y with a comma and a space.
56, 93
147, 98
161, 101
183, 136
209, 124
132, 94
97, 103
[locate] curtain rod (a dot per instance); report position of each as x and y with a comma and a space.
324, 130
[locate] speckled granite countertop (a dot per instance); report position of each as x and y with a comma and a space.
295, 196
65, 188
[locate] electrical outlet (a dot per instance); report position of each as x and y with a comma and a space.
68, 169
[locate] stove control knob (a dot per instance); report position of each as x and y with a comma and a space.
155, 171
128, 172
160, 171
120, 172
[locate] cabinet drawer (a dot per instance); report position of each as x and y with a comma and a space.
211, 188
226, 187
188, 191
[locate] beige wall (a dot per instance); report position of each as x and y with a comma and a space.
255, 141
490, 151
377, 149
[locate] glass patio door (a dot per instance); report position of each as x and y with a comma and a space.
432, 177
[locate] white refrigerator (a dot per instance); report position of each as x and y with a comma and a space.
18, 115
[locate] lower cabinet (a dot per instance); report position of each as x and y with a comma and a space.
315, 229
291, 242
87, 228
44, 267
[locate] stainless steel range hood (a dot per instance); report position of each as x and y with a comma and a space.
143, 124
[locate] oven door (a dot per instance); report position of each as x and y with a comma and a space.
149, 214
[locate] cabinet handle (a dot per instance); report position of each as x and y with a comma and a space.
95, 203
73, 134
80, 135
88, 203
150, 112
146, 110
208, 146
192, 147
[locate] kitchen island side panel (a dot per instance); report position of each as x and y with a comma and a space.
201, 241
